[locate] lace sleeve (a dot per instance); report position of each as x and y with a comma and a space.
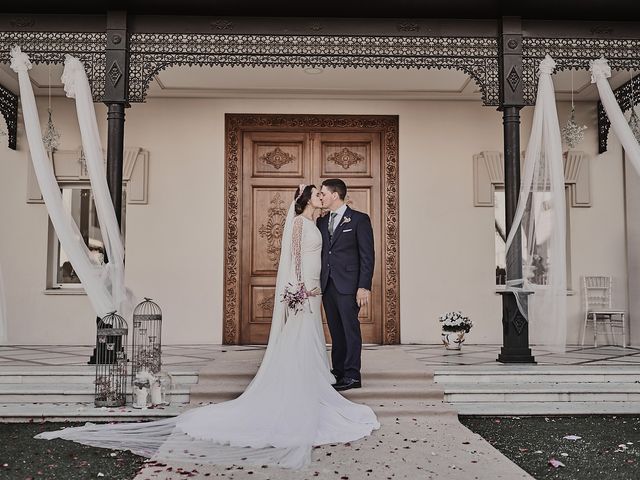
296, 247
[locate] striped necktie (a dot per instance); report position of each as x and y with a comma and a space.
332, 217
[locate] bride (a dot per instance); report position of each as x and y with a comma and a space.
289, 407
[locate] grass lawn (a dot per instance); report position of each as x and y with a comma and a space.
609, 447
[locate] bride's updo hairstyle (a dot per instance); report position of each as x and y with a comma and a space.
302, 199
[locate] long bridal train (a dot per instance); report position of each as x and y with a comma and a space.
289, 407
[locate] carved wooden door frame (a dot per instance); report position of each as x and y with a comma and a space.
387, 125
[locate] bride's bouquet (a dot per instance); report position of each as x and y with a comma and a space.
294, 297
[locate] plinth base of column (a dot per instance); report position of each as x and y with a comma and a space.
508, 355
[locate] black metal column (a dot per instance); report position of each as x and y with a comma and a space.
116, 99
115, 155
515, 328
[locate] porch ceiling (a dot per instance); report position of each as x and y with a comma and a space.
533, 9
234, 82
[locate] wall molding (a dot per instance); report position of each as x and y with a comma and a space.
69, 166
488, 173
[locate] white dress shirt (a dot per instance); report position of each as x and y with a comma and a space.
338, 218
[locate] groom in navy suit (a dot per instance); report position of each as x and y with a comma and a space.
347, 271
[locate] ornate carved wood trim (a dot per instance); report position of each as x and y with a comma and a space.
277, 158
388, 127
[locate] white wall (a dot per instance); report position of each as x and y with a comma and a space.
175, 243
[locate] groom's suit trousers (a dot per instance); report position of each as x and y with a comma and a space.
344, 326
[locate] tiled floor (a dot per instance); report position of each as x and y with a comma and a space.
70, 355
436, 355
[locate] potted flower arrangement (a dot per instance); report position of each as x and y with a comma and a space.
454, 326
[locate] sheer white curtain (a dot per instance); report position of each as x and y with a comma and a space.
103, 283
541, 218
600, 71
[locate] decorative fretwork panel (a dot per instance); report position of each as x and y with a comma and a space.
575, 53
9, 110
153, 52
568, 53
51, 47
626, 101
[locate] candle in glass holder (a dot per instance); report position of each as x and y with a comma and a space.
156, 393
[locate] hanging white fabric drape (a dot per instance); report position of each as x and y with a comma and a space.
3, 311
97, 280
76, 85
600, 71
541, 218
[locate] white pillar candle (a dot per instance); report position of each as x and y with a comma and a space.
141, 397
156, 394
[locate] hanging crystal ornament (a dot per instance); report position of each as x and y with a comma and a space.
50, 138
634, 120
634, 123
572, 133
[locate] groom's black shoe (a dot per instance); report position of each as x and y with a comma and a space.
347, 384
337, 376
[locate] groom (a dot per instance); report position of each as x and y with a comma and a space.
347, 271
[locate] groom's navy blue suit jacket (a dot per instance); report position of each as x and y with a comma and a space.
348, 258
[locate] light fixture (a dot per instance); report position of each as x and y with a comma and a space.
50, 138
572, 133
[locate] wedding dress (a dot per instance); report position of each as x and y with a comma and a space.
289, 407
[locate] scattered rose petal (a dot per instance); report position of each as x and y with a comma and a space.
555, 463
572, 437
564, 454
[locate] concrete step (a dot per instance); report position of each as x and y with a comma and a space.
541, 392
71, 392
538, 374
548, 408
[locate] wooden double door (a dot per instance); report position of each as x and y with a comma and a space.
274, 162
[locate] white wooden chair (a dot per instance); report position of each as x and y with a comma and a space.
598, 309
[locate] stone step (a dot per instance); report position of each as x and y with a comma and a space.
72, 392
547, 408
75, 375
223, 389
82, 412
538, 374
541, 392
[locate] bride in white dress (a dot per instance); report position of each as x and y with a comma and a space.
289, 407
